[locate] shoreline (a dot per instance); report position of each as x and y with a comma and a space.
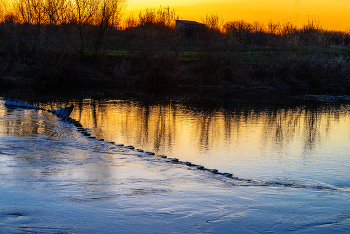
9, 82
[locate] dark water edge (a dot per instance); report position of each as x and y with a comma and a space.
158, 93
199, 99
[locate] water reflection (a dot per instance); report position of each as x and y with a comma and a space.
254, 137
28, 124
162, 125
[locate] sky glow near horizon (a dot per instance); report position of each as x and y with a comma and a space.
331, 14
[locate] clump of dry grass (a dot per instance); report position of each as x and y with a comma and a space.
287, 71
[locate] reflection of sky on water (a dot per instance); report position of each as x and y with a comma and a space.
53, 180
251, 141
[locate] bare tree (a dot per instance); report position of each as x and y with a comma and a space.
108, 16
130, 22
2, 10
214, 22
56, 11
31, 12
82, 16
161, 17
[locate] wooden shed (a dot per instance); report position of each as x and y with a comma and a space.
190, 28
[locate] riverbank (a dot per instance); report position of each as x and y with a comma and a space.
151, 50
265, 70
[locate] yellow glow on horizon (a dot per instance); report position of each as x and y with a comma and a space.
331, 14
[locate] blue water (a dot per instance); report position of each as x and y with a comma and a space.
289, 163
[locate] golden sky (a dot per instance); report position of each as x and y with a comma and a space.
331, 14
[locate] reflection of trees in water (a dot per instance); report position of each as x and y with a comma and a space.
310, 125
312, 130
139, 124
206, 129
280, 126
162, 124
28, 123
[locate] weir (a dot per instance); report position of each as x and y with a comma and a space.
16, 103
64, 114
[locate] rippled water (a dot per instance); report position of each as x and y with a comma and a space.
288, 153
250, 140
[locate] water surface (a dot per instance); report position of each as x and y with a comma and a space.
289, 152
302, 139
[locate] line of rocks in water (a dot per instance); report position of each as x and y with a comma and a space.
63, 114
16, 103
84, 132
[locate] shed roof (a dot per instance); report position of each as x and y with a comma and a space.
189, 22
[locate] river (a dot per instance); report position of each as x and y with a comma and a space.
288, 154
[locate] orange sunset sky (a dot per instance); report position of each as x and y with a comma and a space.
331, 14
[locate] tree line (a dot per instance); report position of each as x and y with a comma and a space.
52, 41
